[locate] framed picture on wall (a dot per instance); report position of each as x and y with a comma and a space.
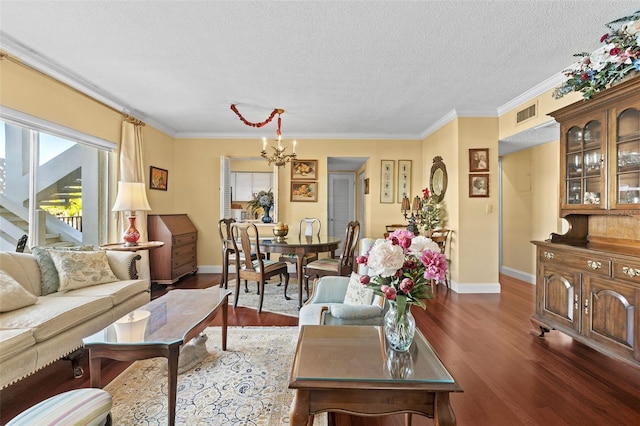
479, 185
304, 191
386, 181
404, 180
304, 169
479, 160
158, 178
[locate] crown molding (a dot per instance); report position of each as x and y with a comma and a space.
300, 136
537, 90
453, 114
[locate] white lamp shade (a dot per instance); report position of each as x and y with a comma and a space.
131, 197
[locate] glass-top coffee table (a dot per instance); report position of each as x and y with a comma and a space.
158, 329
349, 369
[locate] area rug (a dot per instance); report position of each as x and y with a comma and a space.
274, 300
246, 385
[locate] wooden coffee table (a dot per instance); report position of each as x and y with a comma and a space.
174, 319
348, 369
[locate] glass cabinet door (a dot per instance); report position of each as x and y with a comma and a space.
584, 165
628, 158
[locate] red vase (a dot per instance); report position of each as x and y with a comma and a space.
131, 235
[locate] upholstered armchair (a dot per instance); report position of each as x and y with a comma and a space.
327, 304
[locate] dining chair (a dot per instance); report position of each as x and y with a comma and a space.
390, 228
336, 266
228, 252
440, 237
312, 227
258, 269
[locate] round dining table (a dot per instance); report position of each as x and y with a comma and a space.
300, 247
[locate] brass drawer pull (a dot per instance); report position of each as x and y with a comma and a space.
594, 264
631, 272
548, 255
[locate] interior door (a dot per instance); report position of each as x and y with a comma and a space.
341, 205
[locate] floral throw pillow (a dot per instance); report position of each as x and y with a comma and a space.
357, 294
78, 269
12, 295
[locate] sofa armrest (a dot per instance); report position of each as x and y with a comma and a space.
123, 264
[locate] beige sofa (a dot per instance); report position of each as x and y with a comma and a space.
33, 336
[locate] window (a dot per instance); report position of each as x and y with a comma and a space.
53, 183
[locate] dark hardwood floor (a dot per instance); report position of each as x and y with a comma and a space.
509, 376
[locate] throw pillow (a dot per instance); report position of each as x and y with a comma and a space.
12, 295
78, 269
357, 294
49, 280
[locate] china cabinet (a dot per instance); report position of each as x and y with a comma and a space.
588, 279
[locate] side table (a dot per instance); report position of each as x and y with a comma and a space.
149, 245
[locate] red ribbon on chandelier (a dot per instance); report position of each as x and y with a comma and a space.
265, 122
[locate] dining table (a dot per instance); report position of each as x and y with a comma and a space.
300, 246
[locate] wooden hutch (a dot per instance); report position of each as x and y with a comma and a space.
588, 280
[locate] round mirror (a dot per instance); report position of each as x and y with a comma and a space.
438, 179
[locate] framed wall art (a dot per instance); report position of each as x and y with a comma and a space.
158, 178
366, 185
386, 181
304, 191
479, 185
479, 160
404, 180
304, 169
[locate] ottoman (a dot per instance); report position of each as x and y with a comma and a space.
90, 407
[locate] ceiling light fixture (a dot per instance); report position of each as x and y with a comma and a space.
278, 157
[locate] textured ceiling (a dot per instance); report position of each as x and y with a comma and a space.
340, 69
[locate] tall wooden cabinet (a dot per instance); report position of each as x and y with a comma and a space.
588, 280
178, 256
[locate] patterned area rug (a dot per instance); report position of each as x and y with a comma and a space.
274, 300
246, 385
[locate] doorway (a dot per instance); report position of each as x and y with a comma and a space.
341, 205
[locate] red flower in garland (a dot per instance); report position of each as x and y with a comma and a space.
425, 193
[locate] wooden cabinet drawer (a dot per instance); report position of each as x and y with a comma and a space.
593, 264
184, 269
184, 259
180, 240
182, 250
627, 271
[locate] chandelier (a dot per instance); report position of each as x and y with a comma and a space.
278, 156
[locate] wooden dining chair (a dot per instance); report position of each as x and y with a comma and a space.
440, 237
228, 252
258, 269
390, 228
336, 266
307, 227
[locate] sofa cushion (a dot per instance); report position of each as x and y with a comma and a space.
357, 294
54, 315
118, 291
15, 340
78, 269
12, 295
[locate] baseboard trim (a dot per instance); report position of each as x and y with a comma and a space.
475, 288
522, 276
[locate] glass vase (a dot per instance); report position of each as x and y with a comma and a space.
399, 327
265, 217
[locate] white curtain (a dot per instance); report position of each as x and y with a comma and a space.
131, 169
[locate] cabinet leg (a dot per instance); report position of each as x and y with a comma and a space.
537, 325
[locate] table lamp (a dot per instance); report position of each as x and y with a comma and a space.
131, 197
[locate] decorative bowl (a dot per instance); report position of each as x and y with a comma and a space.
280, 234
